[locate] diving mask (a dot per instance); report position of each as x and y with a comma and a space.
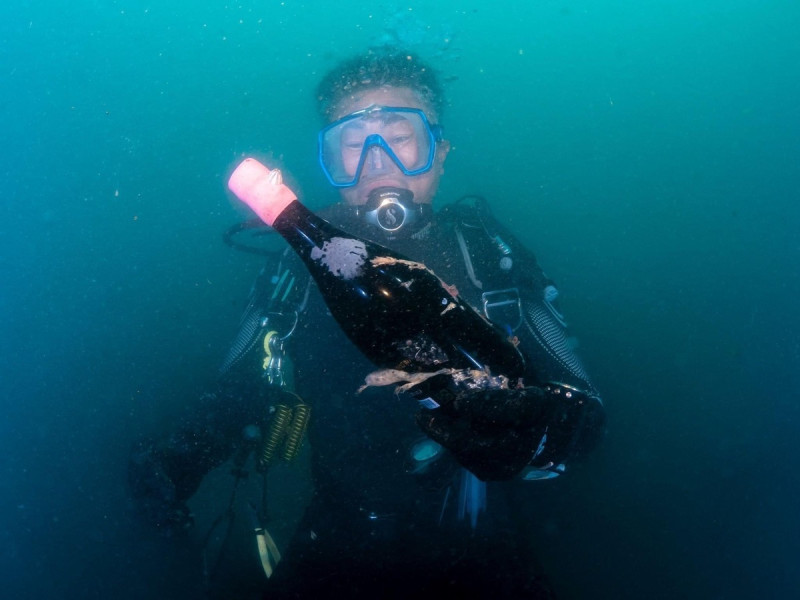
375, 139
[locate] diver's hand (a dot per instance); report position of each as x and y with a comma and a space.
176, 520
490, 432
153, 493
496, 433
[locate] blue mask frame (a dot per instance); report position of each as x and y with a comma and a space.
433, 134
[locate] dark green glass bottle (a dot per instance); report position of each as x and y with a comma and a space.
396, 311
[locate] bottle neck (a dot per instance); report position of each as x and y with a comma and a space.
302, 228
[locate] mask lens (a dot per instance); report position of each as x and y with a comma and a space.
373, 140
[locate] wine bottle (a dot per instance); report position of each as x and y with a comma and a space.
396, 311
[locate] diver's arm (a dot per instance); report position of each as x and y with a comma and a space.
164, 473
533, 431
530, 432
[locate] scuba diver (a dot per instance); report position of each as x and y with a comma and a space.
400, 505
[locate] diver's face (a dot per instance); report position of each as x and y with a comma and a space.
379, 170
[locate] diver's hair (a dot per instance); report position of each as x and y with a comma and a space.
376, 68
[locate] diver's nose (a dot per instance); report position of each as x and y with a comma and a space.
375, 159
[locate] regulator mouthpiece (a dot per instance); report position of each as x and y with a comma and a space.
393, 210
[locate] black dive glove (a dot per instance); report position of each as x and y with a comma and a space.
154, 494
496, 433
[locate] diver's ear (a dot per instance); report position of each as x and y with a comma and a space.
442, 149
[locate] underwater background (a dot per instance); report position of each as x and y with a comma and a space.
647, 152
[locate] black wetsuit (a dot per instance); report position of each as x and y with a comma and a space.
380, 523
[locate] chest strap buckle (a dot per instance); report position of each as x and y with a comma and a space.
503, 307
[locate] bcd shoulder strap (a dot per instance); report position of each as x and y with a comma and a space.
499, 267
